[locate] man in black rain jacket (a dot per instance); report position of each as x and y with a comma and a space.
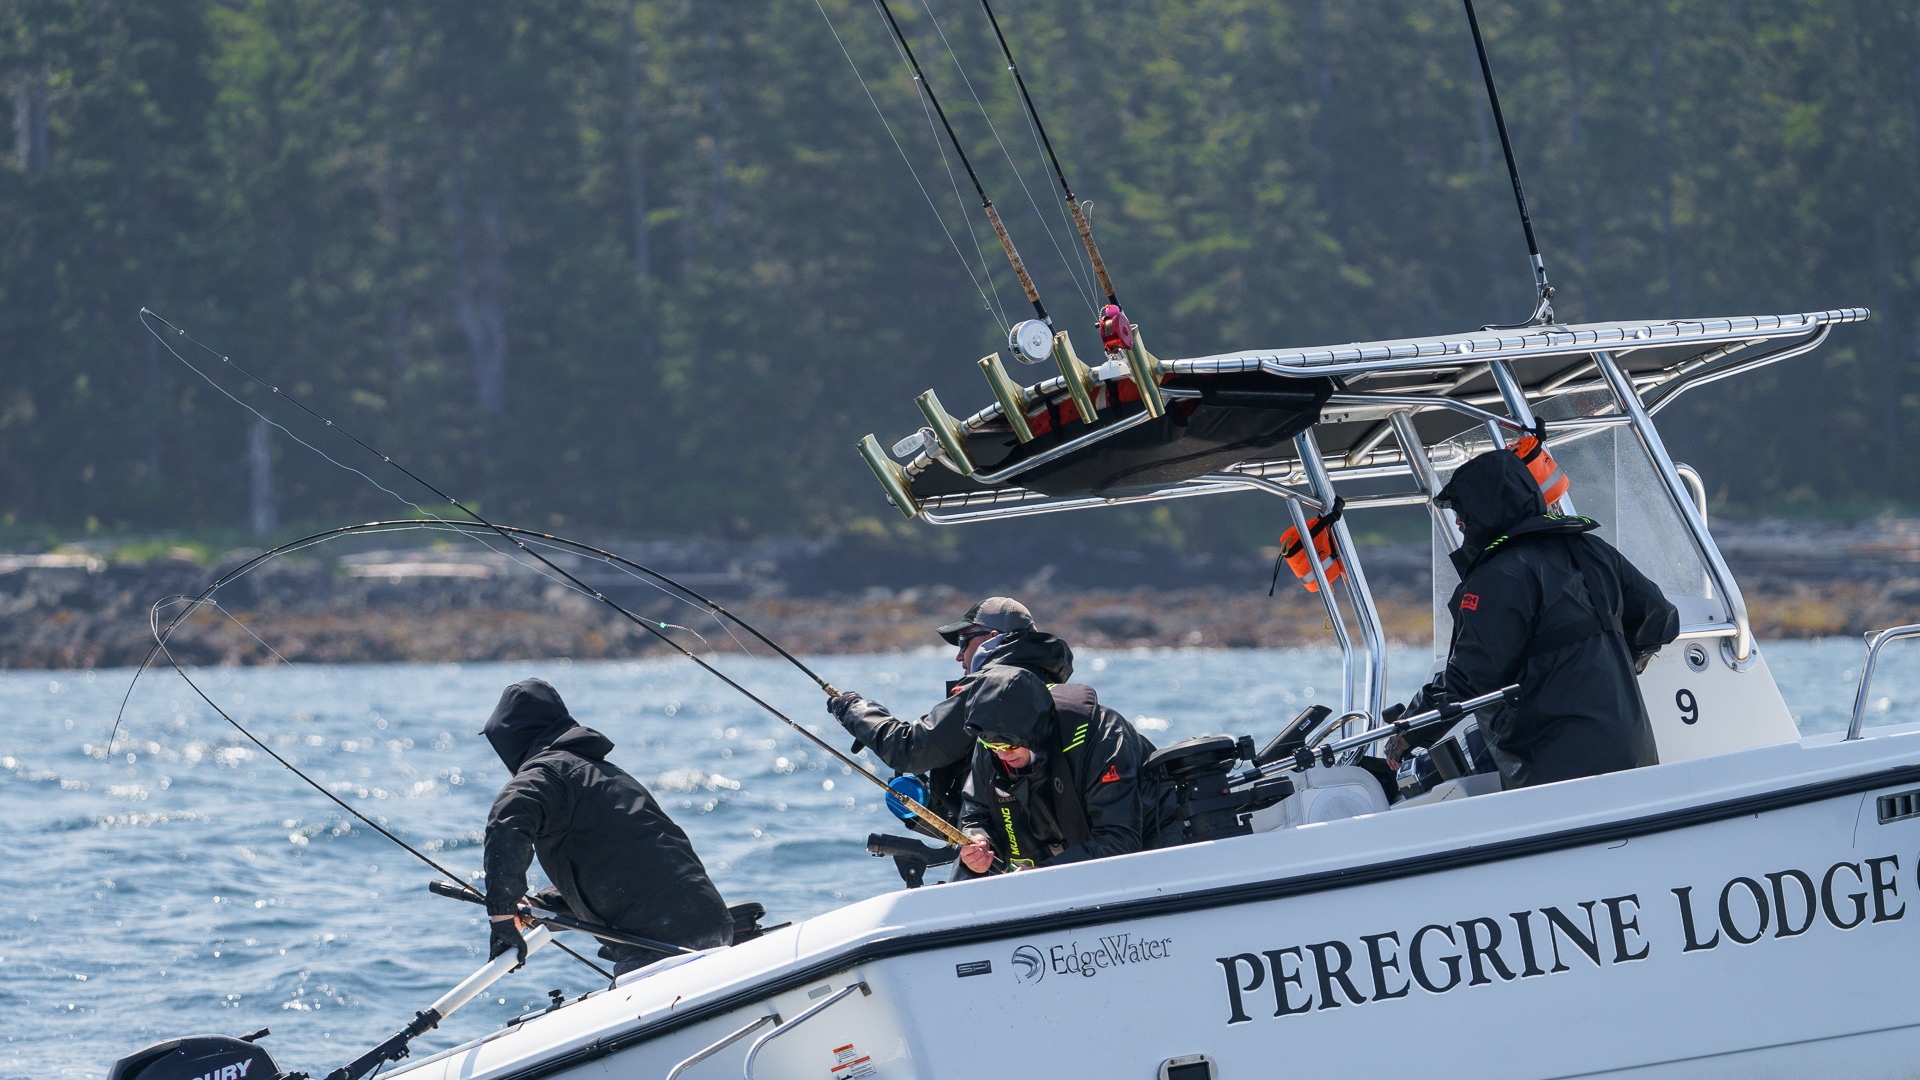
612, 853
996, 632
1544, 603
1055, 777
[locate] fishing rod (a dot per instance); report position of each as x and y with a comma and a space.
947, 830
454, 890
1543, 308
993, 215
397, 1046
153, 622
470, 527
1115, 331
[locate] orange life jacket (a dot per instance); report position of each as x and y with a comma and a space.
1295, 553
1546, 471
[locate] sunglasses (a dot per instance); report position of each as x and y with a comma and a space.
999, 747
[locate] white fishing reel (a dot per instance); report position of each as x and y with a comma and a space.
1031, 341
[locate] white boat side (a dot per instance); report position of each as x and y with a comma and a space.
1530, 933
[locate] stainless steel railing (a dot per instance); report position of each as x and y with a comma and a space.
1866, 672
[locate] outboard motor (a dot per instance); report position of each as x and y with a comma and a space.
202, 1057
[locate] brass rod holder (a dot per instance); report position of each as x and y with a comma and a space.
1077, 375
1013, 400
952, 439
1146, 374
893, 479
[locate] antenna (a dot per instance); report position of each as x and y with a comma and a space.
993, 216
1543, 308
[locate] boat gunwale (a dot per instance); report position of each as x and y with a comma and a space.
1464, 855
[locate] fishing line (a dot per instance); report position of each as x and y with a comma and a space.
1543, 308
1073, 205
953, 182
986, 204
474, 530
938, 216
946, 829
509, 534
160, 643
1072, 270
144, 312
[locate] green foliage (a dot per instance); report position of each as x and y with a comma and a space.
657, 264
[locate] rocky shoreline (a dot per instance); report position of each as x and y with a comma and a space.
72, 609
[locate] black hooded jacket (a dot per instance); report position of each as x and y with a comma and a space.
1545, 604
937, 744
1082, 796
601, 837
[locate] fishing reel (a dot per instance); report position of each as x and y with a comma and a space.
1031, 341
1116, 333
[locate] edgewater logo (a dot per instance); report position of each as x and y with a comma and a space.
1028, 964
1111, 951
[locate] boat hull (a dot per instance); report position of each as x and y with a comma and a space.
1741, 915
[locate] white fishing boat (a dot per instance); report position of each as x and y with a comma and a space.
1738, 909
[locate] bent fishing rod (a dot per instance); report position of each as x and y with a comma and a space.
946, 829
160, 643
475, 528
1073, 204
1543, 307
986, 204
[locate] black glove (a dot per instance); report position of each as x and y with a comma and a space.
551, 899
505, 937
838, 704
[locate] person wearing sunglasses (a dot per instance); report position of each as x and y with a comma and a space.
1055, 778
997, 632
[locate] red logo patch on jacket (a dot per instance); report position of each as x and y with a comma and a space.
1469, 602
1111, 775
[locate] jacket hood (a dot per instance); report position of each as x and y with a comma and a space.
1036, 650
529, 718
580, 740
1494, 493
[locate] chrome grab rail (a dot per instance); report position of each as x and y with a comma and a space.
746, 1070
1330, 725
1741, 648
1866, 673
725, 1041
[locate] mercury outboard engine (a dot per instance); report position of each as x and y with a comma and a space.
202, 1057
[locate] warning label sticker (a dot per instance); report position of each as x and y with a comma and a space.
849, 1063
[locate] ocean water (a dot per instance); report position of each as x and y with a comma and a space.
188, 883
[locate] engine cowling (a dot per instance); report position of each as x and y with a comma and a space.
198, 1057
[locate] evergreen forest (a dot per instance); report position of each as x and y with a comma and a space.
656, 265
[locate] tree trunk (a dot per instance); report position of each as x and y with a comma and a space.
479, 249
261, 515
32, 146
1663, 157
387, 186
